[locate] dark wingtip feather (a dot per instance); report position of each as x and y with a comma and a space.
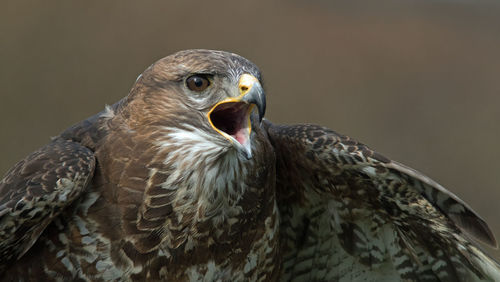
476, 227
466, 219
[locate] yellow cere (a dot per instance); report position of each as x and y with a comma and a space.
245, 84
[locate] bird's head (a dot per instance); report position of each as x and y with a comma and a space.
215, 95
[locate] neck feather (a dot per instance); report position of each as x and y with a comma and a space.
206, 172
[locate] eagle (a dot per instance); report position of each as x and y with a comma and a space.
185, 180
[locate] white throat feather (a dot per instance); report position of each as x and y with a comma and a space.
207, 172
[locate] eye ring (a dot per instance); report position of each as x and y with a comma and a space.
197, 82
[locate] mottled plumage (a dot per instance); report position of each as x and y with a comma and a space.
184, 180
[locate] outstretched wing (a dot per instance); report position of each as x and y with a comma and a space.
37, 189
350, 214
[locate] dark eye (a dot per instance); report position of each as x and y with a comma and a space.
197, 82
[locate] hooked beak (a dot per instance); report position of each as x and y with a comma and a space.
231, 117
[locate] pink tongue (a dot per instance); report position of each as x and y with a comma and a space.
240, 136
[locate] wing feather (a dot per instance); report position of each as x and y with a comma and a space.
387, 220
457, 210
37, 189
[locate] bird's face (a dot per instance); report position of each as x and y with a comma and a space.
216, 92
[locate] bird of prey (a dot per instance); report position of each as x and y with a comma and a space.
183, 179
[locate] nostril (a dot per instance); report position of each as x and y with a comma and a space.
243, 88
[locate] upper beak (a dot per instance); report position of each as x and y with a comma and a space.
231, 117
251, 92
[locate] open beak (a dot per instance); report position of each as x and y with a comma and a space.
231, 117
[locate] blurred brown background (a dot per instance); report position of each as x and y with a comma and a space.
417, 80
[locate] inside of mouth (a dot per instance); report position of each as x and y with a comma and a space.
232, 118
